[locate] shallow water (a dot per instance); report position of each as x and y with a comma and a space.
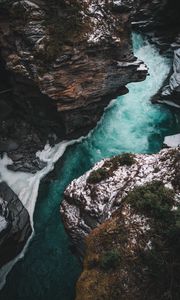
131, 124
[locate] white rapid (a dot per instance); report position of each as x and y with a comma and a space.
26, 186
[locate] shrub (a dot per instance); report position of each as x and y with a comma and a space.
110, 260
92, 263
97, 175
162, 260
125, 159
152, 199
109, 166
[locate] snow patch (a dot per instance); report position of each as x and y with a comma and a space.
26, 186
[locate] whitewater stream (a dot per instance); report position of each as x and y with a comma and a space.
48, 270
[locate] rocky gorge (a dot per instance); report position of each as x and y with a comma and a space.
57, 81
62, 62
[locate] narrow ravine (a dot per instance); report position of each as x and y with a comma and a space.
130, 124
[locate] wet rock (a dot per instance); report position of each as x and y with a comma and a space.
5, 109
171, 91
15, 228
8, 145
24, 165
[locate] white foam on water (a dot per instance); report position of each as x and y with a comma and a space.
26, 186
131, 120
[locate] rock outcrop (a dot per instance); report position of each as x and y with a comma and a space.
15, 227
123, 217
92, 198
135, 254
64, 62
159, 19
170, 94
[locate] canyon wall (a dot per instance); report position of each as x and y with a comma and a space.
66, 60
61, 62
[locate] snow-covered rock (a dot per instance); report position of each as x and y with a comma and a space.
86, 205
172, 140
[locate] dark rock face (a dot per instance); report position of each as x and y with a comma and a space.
160, 21
171, 91
15, 227
62, 60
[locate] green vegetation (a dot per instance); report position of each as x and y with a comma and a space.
110, 166
131, 261
97, 175
153, 200
125, 159
110, 260
162, 259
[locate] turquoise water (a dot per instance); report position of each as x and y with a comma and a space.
132, 124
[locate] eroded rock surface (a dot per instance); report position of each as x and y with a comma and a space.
15, 228
170, 93
71, 52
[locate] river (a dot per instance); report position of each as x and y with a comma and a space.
130, 124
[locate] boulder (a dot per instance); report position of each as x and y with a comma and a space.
15, 227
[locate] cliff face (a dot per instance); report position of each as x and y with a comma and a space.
73, 56
92, 198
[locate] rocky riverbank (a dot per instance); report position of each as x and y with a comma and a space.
92, 198
135, 198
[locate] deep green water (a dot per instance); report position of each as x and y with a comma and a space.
131, 124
